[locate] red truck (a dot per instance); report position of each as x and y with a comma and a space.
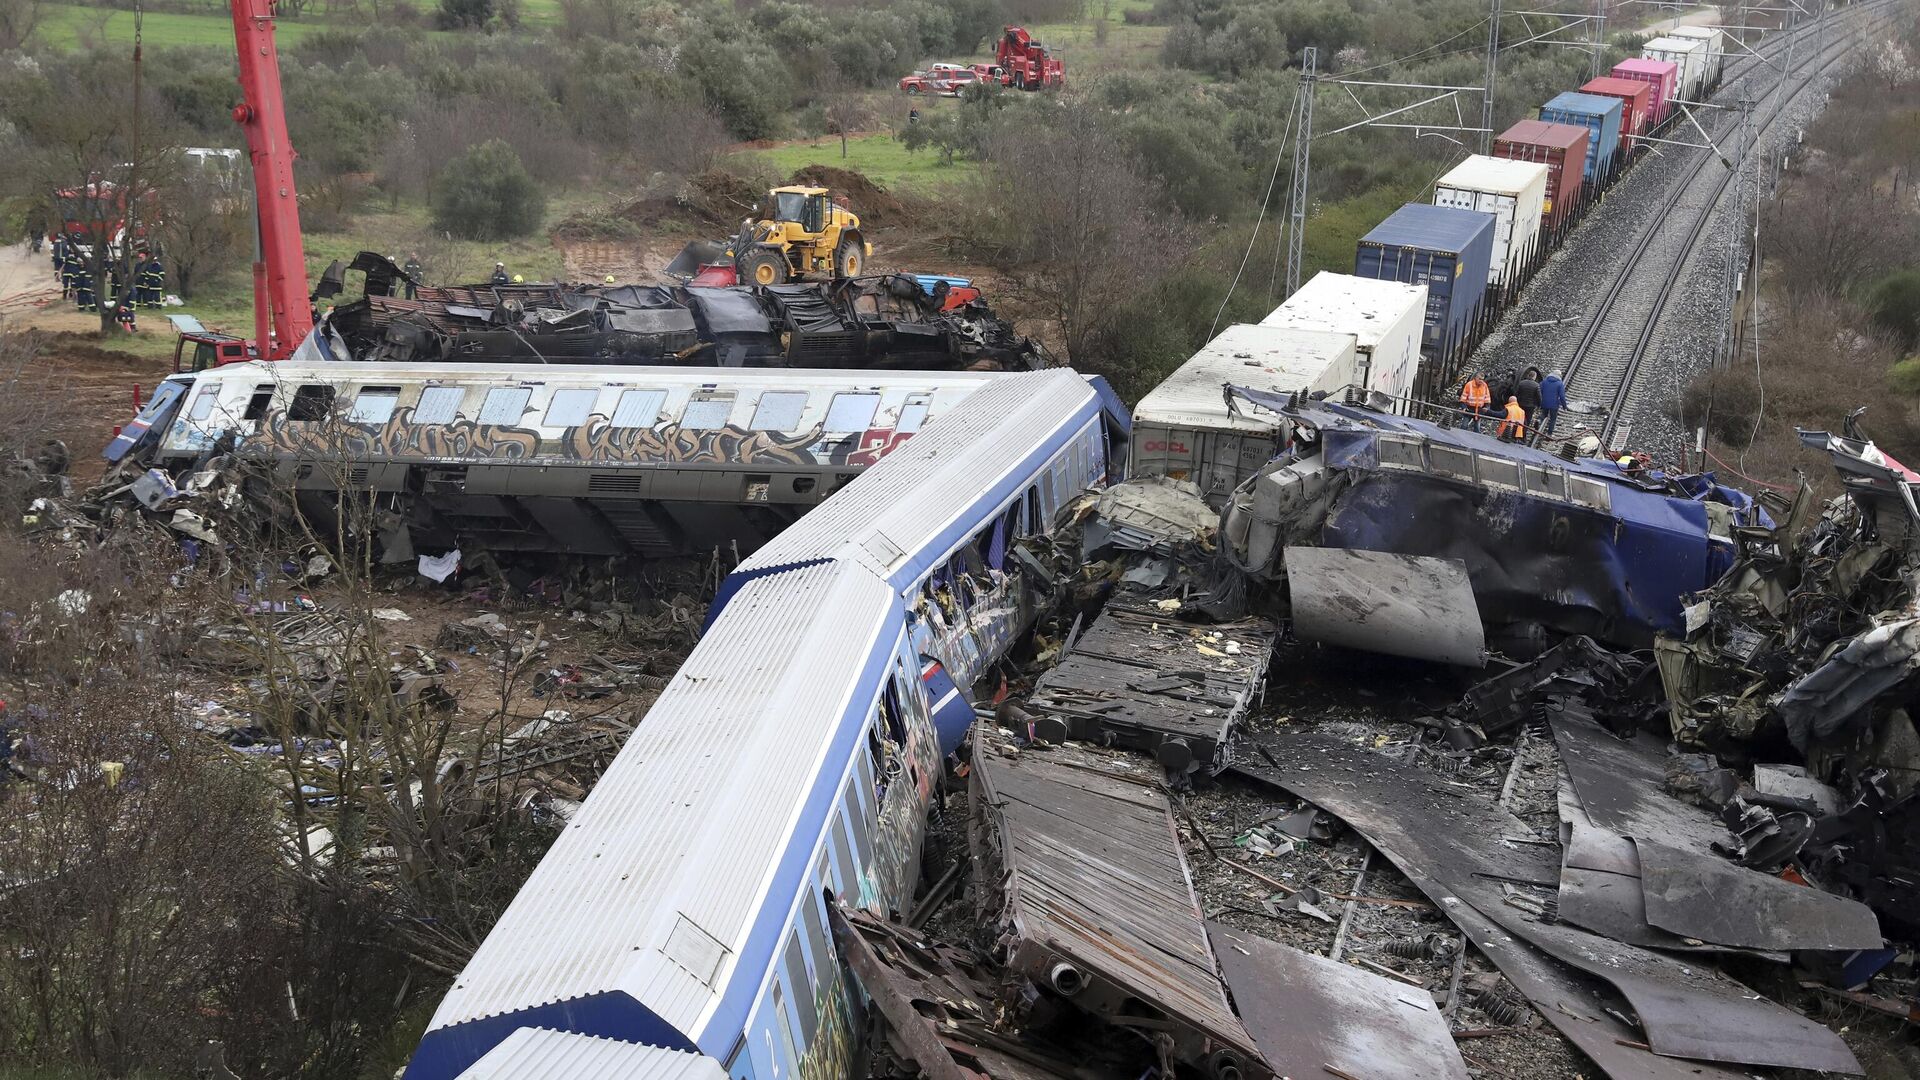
1025, 64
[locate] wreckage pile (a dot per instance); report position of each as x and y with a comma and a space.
888, 321
1699, 865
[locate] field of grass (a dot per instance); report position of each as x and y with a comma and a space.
69, 26
881, 158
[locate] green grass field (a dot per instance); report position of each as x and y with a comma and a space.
70, 26
880, 158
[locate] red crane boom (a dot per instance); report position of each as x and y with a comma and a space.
282, 317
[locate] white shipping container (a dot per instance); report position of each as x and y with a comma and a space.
1384, 317
1716, 40
1183, 428
1688, 54
1514, 192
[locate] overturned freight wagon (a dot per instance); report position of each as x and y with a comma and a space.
587, 460
1578, 547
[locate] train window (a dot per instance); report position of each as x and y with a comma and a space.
639, 408
912, 415
373, 405
203, 402
858, 826
311, 403
1590, 492
707, 413
852, 412
780, 410
818, 950
783, 1019
864, 785
1550, 482
1035, 525
1499, 471
850, 872
1448, 461
505, 405
438, 405
570, 408
796, 973
259, 403
1402, 453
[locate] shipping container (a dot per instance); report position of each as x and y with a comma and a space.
1445, 249
1601, 117
1514, 192
1552, 145
1636, 118
1184, 429
1689, 55
1716, 39
1386, 319
1662, 75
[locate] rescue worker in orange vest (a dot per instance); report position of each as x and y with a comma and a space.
1474, 397
1514, 427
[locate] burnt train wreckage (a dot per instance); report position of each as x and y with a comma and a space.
890, 321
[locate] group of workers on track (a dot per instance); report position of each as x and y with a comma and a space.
1529, 397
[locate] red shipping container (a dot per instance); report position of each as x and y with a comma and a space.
1636, 115
1555, 146
1662, 75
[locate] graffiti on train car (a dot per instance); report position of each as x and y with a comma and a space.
597, 441
830, 1056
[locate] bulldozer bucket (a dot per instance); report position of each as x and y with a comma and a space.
695, 255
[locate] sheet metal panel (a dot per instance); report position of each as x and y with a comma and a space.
1377, 601
636, 919
1094, 877
1307, 1012
543, 1054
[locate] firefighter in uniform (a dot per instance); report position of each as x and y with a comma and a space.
59, 256
124, 312
69, 271
116, 289
153, 281
412, 270
83, 288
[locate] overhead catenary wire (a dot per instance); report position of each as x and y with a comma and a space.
1273, 180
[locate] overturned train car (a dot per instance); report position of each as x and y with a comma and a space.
1573, 546
889, 321
584, 460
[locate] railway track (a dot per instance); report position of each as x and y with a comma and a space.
1618, 337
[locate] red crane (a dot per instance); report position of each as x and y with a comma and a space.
281, 315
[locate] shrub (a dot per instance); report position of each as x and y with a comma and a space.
486, 194
1894, 303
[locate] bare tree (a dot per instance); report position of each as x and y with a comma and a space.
844, 107
206, 231
1067, 203
18, 21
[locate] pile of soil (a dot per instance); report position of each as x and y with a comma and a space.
876, 205
712, 202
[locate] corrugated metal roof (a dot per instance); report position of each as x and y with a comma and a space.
1365, 307
1280, 359
671, 851
1501, 176
543, 1054
1607, 86
1591, 104
909, 501
1542, 133
1433, 228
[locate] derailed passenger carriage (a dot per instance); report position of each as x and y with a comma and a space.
571, 459
788, 765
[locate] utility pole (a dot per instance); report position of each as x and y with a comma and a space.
1597, 37
1302, 154
1493, 73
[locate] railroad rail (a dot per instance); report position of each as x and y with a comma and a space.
1617, 338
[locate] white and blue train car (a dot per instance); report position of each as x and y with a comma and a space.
790, 762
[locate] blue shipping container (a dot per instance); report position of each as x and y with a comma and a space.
1442, 247
1599, 115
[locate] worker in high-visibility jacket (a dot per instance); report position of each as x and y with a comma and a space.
1474, 397
1514, 427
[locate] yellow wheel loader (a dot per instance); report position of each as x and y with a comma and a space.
799, 231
